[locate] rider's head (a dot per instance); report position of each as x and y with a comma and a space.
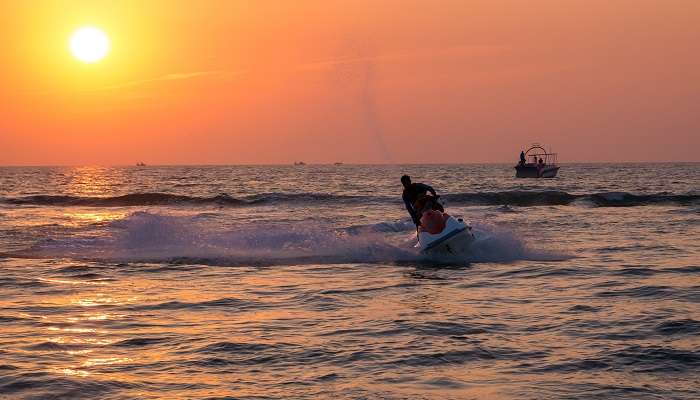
406, 180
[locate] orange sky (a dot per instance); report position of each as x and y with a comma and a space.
232, 82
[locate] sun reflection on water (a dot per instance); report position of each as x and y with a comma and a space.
105, 361
95, 317
79, 341
70, 282
99, 299
73, 330
79, 352
93, 181
71, 372
81, 217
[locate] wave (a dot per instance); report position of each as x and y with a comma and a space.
635, 358
134, 199
519, 198
155, 199
560, 198
623, 199
146, 237
515, 197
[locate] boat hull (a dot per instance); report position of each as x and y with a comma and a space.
531, 171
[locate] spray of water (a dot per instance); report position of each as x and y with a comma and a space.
146, 237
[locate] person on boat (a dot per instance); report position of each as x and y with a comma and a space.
522, 157
540, 167
412, 193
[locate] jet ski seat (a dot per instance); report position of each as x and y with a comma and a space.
433, 221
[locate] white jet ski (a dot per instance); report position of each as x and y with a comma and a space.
450, 235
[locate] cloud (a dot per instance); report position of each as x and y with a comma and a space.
163, 78
419, 53
168, 77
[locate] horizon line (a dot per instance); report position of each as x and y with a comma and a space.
327, 164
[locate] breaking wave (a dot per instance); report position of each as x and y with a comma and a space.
516, 198
561, 198
147, 237
153, 199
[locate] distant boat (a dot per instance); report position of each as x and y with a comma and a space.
538, 163
140, 164
299, 163
337, 163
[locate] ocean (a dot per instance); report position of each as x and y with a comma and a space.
302, 282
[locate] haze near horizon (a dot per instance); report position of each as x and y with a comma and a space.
234, 82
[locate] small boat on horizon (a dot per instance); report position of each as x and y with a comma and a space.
140, 164
299, 163
536, 162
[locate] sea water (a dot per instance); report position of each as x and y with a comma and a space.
292, 282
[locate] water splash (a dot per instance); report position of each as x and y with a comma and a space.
147, 237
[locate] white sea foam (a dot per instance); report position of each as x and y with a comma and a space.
147, 237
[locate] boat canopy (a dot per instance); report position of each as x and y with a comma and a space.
536, 151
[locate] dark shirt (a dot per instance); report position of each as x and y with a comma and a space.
411, 194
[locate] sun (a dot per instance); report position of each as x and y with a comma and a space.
89, 44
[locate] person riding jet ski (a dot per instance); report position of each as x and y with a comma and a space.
412, 193
439, 234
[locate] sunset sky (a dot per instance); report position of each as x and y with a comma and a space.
383, 81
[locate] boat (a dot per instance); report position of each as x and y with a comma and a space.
299, 163
140, 164
441, 234
538, 163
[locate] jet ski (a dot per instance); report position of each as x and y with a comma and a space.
442, 234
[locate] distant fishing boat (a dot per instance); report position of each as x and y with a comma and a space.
337, 163
140, 164
537, 163
299, 163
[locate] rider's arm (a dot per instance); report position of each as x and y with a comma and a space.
430, 189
